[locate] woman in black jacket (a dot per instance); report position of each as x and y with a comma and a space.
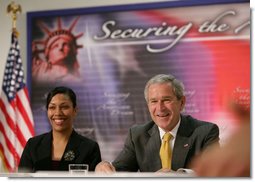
55, 150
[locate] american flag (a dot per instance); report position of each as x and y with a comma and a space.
16, 120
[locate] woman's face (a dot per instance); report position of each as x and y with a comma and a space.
59, 51
61, 113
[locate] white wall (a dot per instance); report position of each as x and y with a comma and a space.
39, 5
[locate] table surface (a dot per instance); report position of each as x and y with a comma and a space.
59, 174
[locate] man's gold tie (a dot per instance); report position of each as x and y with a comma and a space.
166, 151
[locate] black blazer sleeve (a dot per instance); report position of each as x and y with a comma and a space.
26, 163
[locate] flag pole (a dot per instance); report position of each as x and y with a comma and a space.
14, 9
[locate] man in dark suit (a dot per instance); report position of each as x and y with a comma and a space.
165, 98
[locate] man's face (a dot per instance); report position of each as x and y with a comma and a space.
59, 51
164, 106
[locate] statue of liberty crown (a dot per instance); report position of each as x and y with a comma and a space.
56, 34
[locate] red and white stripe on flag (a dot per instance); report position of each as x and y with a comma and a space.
16, 120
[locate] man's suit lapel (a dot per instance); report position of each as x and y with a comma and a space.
182, 145
152, 149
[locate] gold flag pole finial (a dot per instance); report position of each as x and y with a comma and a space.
14, 9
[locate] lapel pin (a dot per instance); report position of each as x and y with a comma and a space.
186, 145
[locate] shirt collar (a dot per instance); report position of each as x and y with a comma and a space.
173, 131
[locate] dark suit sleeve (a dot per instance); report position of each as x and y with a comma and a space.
212, 136
126, 160
26, 163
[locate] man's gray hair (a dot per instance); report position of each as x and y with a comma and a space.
177, 85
